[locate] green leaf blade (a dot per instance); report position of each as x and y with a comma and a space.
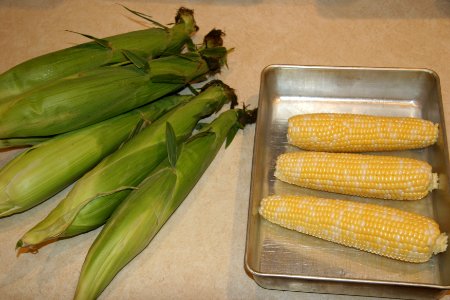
136, 59
101, 42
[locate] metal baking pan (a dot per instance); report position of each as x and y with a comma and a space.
278, 258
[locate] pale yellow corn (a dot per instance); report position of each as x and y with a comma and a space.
334, 132
373, 228
376, 176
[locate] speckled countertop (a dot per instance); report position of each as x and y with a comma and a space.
199, 253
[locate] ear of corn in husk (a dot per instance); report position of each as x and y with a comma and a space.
385, 177
138, 219
93, 198
43, 170
67, 104
333, 132
150, 43
374, 228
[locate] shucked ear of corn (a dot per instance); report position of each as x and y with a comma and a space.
93, 198
42, 171
152, 42
138, 219
374, 228
385, 177
68, 104
333, 132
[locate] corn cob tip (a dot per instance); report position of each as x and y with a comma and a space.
186, 15
214, 38
247, 116
244, 117
441, 244
229, 92
213, 51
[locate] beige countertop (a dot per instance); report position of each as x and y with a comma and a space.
199, 253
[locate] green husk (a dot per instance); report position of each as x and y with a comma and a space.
46, 169
96, 95
21, 142
141, 215
149, 43
94, 197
